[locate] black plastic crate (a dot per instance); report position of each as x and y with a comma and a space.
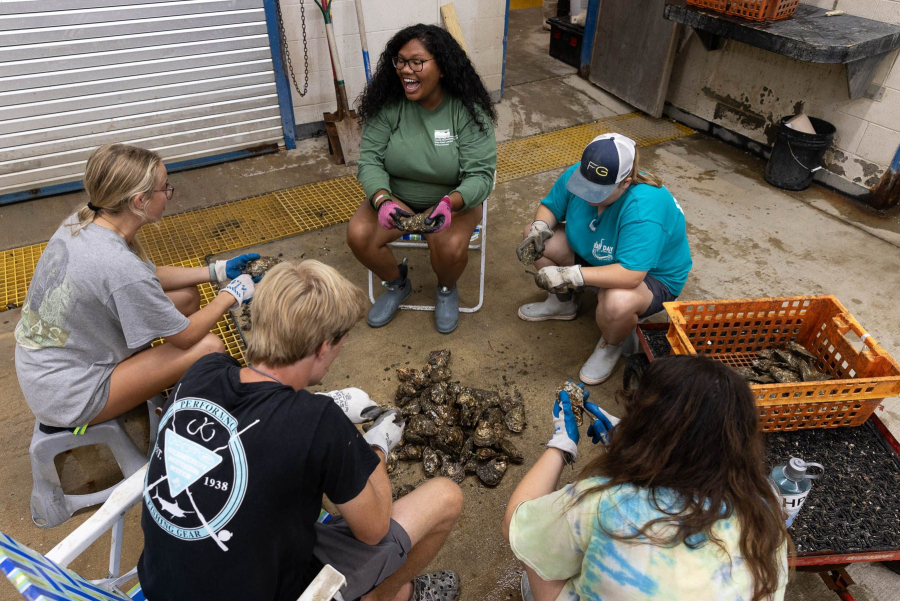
565, 40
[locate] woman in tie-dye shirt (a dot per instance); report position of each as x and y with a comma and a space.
678, 506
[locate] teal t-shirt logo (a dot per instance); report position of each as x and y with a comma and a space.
603, 252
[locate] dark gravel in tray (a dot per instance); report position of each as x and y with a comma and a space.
855, 506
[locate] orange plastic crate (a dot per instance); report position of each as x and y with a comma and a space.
733, 331
716, 5
762, 10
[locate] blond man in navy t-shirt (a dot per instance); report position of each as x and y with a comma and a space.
624, 234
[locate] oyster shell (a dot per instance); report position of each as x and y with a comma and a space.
783, 375
467, 449
492, 472
511, 451
454, 471
801, 351
439, 393
576, 396
260, 266
471, 466
529, 255
485, 435
485, 453
405, 391
392, 460
430, 461
411, 409
469, 409
421, 426
507, 403
439, 358
515, 418
493, 415
414, 224
444, 415
808, 373
449, 440
409, 451
413, 376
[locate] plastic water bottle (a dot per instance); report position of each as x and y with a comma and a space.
794, 483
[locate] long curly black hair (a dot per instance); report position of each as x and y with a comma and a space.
460, 78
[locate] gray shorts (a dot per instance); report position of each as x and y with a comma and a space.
364, 566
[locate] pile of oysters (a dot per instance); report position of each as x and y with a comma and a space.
452, 429
791, 363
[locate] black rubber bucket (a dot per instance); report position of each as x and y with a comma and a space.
796, 155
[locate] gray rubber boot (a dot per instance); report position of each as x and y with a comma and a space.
631, 345
446, 309
525, 588
599, 366
395, 292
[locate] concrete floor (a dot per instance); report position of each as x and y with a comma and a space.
748, 239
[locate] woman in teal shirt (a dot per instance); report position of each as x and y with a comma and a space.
427, 146
624, 234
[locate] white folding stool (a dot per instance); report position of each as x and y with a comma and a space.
477, 243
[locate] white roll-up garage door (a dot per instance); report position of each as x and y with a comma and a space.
187, 78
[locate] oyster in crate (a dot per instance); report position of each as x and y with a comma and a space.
492, 472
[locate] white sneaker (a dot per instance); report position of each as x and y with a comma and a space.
599, 366
552, 308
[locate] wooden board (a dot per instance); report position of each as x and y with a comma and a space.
634, 48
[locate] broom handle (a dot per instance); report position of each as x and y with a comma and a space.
339, 88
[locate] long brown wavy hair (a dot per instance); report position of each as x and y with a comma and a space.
691, 427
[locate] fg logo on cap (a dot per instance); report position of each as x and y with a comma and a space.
598, 169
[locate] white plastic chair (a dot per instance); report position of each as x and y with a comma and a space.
476, 243
36, 576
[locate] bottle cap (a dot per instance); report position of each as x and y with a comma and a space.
796, 469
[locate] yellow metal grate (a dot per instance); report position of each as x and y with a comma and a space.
16, 269
563, 147
225, 328
193, 235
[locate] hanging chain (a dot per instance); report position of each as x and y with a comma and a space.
286, 53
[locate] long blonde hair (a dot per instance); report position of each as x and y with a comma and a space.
113, 176
643, 177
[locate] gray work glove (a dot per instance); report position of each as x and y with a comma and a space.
386, 432
355, 404
539, 233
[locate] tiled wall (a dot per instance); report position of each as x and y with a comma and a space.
748, 90
482, 23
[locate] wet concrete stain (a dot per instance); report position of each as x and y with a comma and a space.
778, 244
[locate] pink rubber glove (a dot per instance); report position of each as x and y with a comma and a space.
439, 219
388, 214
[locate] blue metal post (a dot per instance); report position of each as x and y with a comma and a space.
282, 85
590, 29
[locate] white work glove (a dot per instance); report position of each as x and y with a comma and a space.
559, 279
355, 404
241, 288
539, 233
386, 432
565, 428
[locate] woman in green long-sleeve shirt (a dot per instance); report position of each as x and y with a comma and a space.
427, 146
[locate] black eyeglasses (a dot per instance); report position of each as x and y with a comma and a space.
169, 190
416, 64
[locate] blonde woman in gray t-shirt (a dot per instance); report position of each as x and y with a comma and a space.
96, 301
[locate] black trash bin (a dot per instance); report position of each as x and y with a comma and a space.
795, 155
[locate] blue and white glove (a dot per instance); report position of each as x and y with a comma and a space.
241, 288
602, 428
355, 404
228, 270
386, 432
565, 429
